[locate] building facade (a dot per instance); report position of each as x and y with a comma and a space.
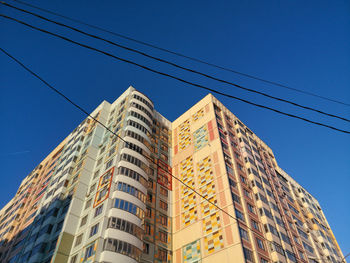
256, 213
203, 188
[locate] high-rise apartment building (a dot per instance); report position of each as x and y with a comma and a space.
203, 188
264, 216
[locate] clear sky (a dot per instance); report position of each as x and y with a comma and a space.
304, 44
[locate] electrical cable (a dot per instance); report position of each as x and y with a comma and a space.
104, 126
343, 259
176, 65
174, 77
126, 142
181, 55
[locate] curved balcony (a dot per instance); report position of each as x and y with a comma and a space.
143, 98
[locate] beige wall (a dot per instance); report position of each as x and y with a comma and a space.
217, 233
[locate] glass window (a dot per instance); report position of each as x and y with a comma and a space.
236, 198
78, 240
88, 203
256, 225
248, 255
239, 215
89, 251
94, 230
260, 243
83, 220
98, 210
73, 259
251, 208
244, 234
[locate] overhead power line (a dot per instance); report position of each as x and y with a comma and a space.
108, 129
176, 65
154, 161
174, 77
182, 55
343, 260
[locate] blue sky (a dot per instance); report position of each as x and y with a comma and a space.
303, 44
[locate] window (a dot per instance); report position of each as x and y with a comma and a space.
129, 207
263, 211
132, 174
308, 248
88, 203
92, 188
109, 164
279, 222
103, 149
78, 240
162, 254
251, 208
163, 191
163, 205
243, 180
244, 234
111, 151
302, 233
285, 238
150, 183
247, 193
149, 197
260, 243
96, 174
148, 212
126, 226
131, 190
163, 236
269, 228
262, 260
135, 161
163, 220
89, 251
293, 209
233, 144
296, 240
236, 198
145, 248
147, 228
39, 249
83, 220
98, 210
274, 207
231, 182
94, 230
248, 255
278, 248
73, 259
297, 221
255, 225
239, 215
291, 256
261, 197
102, 193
